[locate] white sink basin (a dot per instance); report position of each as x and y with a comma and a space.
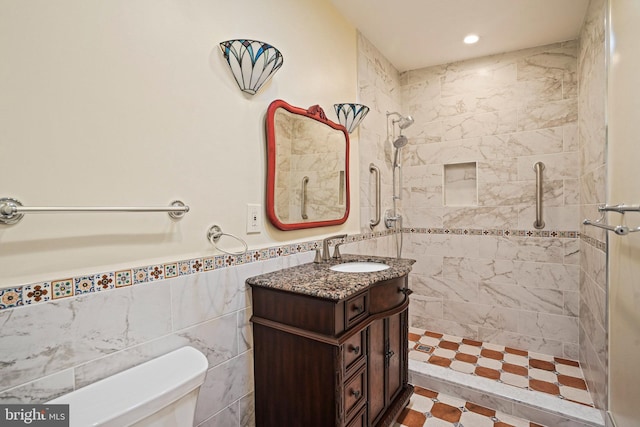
359, 267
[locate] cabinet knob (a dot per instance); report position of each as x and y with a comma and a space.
358, 308
389, 354
355, 349
356, 393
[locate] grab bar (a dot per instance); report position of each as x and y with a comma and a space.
538, 223
374, 169
12, 211
303, 201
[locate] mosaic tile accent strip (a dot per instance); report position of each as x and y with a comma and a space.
428, 408
35, 293
519, 368
594, 242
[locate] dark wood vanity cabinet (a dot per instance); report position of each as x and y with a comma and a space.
320, 362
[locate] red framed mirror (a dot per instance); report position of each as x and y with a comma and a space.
307, 168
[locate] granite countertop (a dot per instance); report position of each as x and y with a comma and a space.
319, 281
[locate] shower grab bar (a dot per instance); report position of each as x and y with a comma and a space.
12, 211
303, 198
620, 230
374, 169
538, 223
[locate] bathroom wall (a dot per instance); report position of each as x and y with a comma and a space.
593, 171
131, 104
123, 104
483, 270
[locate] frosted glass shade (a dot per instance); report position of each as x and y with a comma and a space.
350, 115
252, 62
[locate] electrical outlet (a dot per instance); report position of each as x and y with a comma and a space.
254, 218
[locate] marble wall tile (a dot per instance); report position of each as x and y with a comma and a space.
225, 384
498, 170
245, 330
475, 79
554, 62
419, 216
517, 297
594, 264
476, 270
555, 217
512, 339
40, 340
425, 265
201, 297
539, 141
572, 252
484, 315
229, 416
571, 304
592, 188
571, 192
558, 166
546, 275
451, 327
450, 289
247, 411
548, 326
476, 125
595, 298
570, 137
444, 245
520, 193
98, 369
40, 390
425, 307
522, 249
458, 151
503, 217
549, 114
597, 335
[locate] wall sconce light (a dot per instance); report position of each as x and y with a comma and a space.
350, 115
252, 62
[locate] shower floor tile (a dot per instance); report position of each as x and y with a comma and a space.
431, 409
537, 372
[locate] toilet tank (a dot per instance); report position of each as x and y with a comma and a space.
161, 393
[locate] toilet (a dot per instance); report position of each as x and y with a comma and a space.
161, 393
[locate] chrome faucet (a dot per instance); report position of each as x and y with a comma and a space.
336, 251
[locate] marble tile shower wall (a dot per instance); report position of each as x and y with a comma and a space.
504, 113
593, 279
379, 89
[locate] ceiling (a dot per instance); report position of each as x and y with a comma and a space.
414, 34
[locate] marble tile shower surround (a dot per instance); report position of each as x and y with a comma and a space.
592, 84
504, 113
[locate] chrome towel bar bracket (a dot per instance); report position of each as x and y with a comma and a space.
12, 211
620, 230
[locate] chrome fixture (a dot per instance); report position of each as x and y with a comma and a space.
12, 211
392, 217
538, 223
252, 62
336, 251
215, 233
620, 230
350, 115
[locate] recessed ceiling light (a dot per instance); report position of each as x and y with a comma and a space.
471, 39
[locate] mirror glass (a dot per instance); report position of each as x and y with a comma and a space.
307, 168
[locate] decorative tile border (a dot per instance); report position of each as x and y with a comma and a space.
594, 242
41, 292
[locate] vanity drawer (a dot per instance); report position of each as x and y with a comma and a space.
355, 391
354, 350
355, 309
388, 294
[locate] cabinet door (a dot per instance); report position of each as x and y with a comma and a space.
377, 398
394, 355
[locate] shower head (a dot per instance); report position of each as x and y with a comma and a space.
401, 141
405, 122
402, 121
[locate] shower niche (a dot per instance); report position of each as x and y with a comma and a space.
460, 184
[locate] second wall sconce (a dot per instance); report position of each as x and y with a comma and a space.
350, 115
252, 62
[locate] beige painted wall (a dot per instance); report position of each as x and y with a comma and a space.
624, 252
131, 104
